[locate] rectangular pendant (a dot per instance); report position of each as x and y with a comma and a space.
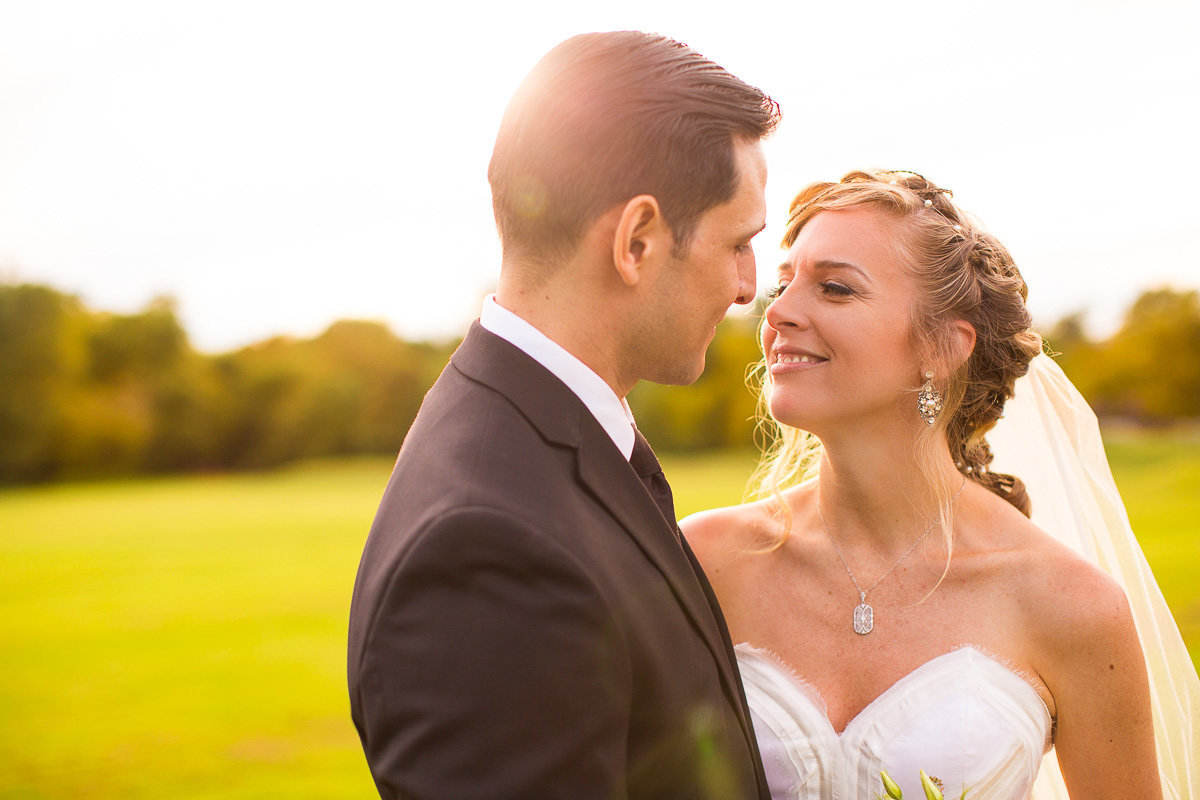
864, 619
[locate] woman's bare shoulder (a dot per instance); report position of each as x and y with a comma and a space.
720, 535
723, 537
1067, 601
1084, 646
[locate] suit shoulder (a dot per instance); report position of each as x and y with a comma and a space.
470, 552
465, 540
470, 440
488, 533
484, 622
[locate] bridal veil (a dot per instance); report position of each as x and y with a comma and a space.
1050, 438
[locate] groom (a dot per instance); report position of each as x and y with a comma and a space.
527, 621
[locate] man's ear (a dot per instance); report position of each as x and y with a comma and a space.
642, 236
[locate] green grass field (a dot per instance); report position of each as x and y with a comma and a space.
185, 637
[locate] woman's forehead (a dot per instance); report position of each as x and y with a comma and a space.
861, 235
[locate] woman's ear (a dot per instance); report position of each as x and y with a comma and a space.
642, 236
962, 342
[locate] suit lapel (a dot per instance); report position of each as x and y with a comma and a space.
741, 704
560, 417
543, 399
604, 471
614, 483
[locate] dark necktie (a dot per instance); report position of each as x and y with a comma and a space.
650, 471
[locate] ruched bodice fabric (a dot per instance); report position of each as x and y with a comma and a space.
963, 717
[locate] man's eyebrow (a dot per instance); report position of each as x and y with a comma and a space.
754, 233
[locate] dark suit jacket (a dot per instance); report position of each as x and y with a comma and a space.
525, 624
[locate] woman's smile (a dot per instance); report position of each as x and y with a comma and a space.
785, 360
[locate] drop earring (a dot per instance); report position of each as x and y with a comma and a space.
929, 401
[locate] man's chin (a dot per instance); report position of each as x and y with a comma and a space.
681, 374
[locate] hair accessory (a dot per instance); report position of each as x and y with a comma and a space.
928, 202
958, 228
929, 401
864, 614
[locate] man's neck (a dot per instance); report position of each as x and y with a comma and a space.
606, 406
583, 329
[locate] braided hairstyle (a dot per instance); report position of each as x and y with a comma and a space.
963, 273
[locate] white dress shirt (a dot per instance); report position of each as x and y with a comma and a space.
610, 411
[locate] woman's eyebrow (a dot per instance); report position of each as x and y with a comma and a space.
831, 265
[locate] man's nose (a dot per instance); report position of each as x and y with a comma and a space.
747, 279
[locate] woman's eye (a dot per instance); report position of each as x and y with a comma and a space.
835, 288
775, 291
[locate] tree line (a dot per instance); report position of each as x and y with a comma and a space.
89, 393
93, 393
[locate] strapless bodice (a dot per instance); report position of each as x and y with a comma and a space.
963, 717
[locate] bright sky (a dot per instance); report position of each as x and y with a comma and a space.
277, 166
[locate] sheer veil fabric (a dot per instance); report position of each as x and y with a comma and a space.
1050, 439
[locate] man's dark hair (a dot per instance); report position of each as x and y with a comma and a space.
604, 117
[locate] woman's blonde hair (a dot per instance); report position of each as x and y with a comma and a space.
963, 273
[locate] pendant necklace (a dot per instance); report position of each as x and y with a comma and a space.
864, 615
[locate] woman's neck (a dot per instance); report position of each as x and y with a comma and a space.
874, 489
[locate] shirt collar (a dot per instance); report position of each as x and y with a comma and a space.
612, 412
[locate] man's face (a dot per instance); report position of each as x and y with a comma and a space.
692, 293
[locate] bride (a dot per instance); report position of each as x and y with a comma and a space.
897, 610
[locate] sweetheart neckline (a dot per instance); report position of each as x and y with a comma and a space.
803, 687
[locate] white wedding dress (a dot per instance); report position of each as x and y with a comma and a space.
965, 717
962, 717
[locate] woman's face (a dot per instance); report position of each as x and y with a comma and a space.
838, 336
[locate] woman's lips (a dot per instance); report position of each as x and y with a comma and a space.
794, 361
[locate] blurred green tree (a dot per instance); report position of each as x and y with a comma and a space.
88, 393
1149, 370
41, 358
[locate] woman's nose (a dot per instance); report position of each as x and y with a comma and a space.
786, 311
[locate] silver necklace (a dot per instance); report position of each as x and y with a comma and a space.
864, 615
